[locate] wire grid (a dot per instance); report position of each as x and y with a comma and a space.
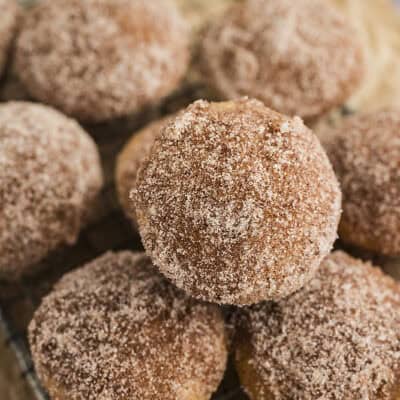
108, 229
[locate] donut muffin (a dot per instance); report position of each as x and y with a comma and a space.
299, 57
365, 152
336, 338
116, 329
130, 159
8, 25
237, 203
101, 59
50, 175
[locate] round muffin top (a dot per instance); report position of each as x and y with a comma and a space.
299, 57
116, 329
101, 59
49, 174
130, 159
365, 152
9, 17
336, 338
237, 203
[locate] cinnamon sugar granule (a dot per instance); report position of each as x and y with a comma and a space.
8, 25
336, 338
130, 159
116, 329
365, 152
233, 208
299, 57
101, 59
49, 175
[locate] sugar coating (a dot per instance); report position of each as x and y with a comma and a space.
116, 329
237, 203
336, 338
101, 59
130, 159
49, 176
299, 57
365, 152
8, 25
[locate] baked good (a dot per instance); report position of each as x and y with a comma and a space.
237, 203
298, 57
130, 159
101, 59
50, 175
116, 329
365, 153
336, 338
8, 25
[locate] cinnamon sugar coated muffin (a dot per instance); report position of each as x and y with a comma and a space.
365, 152
130, 159
116, 329
299, 57
8, 25
237, 203
101, 59
336, 338
49, 176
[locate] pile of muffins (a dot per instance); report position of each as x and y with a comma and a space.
237, 202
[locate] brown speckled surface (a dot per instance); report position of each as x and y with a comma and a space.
12, 383
13, 386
